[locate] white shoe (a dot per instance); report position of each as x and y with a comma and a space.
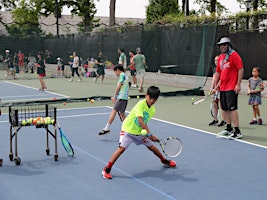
79, 80
95, 80
71, 79
135, 86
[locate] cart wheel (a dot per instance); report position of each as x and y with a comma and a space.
56, 157
47, 151
17, 160
11, 156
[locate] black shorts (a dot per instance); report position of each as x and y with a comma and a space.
120, 105
228, 100
133, 72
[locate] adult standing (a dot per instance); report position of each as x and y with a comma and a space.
9, 59
122, 58
75, 66
21, 61
230, 72
99, 62
132, 69
140, 65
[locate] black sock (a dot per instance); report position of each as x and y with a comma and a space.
229, 127
237, 130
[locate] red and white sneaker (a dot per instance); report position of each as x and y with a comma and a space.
169, 163
106, 173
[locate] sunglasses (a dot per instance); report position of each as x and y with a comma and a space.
223, 44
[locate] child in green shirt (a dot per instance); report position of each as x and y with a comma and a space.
131, 129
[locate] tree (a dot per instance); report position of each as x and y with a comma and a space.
112, 9
211, 6
156, 9
86, 10
25, 18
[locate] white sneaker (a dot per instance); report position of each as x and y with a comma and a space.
135, 86
224, 133
95, 79
79, 80
71, 79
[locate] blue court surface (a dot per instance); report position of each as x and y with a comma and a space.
16, 92
209, 168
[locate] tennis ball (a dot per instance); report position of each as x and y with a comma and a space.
29, 121
138, 97
144, 132
88, 99
24, 122
34, 121
92, 101
129, 97
52, 121
193, 99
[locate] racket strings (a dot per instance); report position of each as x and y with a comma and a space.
173, 147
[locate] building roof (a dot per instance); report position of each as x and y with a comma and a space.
67, 23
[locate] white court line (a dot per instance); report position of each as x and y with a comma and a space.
37, 89
191, 128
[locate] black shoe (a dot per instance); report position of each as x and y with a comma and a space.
235, 135
103, 132
213, 122
222, 123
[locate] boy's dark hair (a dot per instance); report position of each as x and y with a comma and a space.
119, 67
153, 92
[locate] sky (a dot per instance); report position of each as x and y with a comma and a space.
137, 8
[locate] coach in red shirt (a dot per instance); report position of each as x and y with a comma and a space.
230, 71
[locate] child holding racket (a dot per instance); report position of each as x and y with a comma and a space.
120, 98
255, 86
132, 127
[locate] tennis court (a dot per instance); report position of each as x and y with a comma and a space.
208, 168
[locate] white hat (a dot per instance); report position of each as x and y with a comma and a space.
7, 51
58, 58
224, 40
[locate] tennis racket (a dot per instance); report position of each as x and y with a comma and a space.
201, 99
258, 88
65, 142
171, 147
213, 111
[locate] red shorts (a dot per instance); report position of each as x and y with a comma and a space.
42, 75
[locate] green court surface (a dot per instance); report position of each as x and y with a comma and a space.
177, 109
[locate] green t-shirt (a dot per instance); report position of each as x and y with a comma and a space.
124, 90
122, 60
139, 62
131, 124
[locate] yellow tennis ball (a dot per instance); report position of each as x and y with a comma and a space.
144, 132
24, 122
88, 99
193, 99
92, 101
129, 97
138, 97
